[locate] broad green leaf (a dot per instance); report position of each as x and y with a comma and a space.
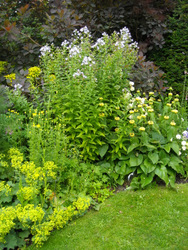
147, 166
120, 169
175, 147
167, 147
164, 161
162, 173
120, 181
175, 163
103, 149
135, 160
158, 138
132, 146
154, 157
146, 179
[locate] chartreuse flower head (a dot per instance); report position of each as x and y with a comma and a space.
34, 72
142, 129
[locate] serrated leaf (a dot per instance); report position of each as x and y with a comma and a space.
154, 157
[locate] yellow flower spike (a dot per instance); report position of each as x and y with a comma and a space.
131, 111
132, 121
131, 134
176, 99
117, 118
166, 117
10, 77
34, 72
172, 123
101, 104
175, 111
170, 94
142, 129
169, 104
150, 122
150, 110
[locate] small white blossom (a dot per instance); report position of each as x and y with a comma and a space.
171, 139
74, 51
45, 49
179, 152
183, 143
79, 73
65, 43
87, 60
178, 136
184, 148
132, 88
131, 83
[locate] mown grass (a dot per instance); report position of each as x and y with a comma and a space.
156, 218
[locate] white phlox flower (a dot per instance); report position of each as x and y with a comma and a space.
74, 51
100, 42
184, 148
45, 49
183, 143
65, 43
79, 73
87, 60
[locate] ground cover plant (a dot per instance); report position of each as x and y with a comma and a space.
82, 130
155, 218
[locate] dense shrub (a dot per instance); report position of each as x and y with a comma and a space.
173, 58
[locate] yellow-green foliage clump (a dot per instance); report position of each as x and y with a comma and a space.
33, 197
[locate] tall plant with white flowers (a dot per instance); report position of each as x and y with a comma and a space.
86, 82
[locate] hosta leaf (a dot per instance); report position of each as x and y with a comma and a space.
175, 147
167, 147
135, 160
175, 163
162, 173
103, 149
146, 179
120, 169
154, 157
132, 146
147, 166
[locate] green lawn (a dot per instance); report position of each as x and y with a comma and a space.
151, 219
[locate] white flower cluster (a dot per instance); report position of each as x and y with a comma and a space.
17, 86
79, 73
99, 43
65, 43
45, 49
184, 142
87, 60
74, 51
125, 34
81, 33
131, 84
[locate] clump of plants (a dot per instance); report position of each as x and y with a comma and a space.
85, 129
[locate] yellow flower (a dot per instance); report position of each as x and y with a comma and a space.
142, 129
169, 104
117, 118
116, 129
150, 122
174, 111
101, 114
34, 72
159, 100
166, 117
151, 93
143, 116
172, 123
150, 103
149, 107
170, 94
132, 121
131, 134
139, 105
150, 110
170, 88
100, 98
117, 108
139, 117
131, 111
135, 110
11, 77
176, 99
101, 104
